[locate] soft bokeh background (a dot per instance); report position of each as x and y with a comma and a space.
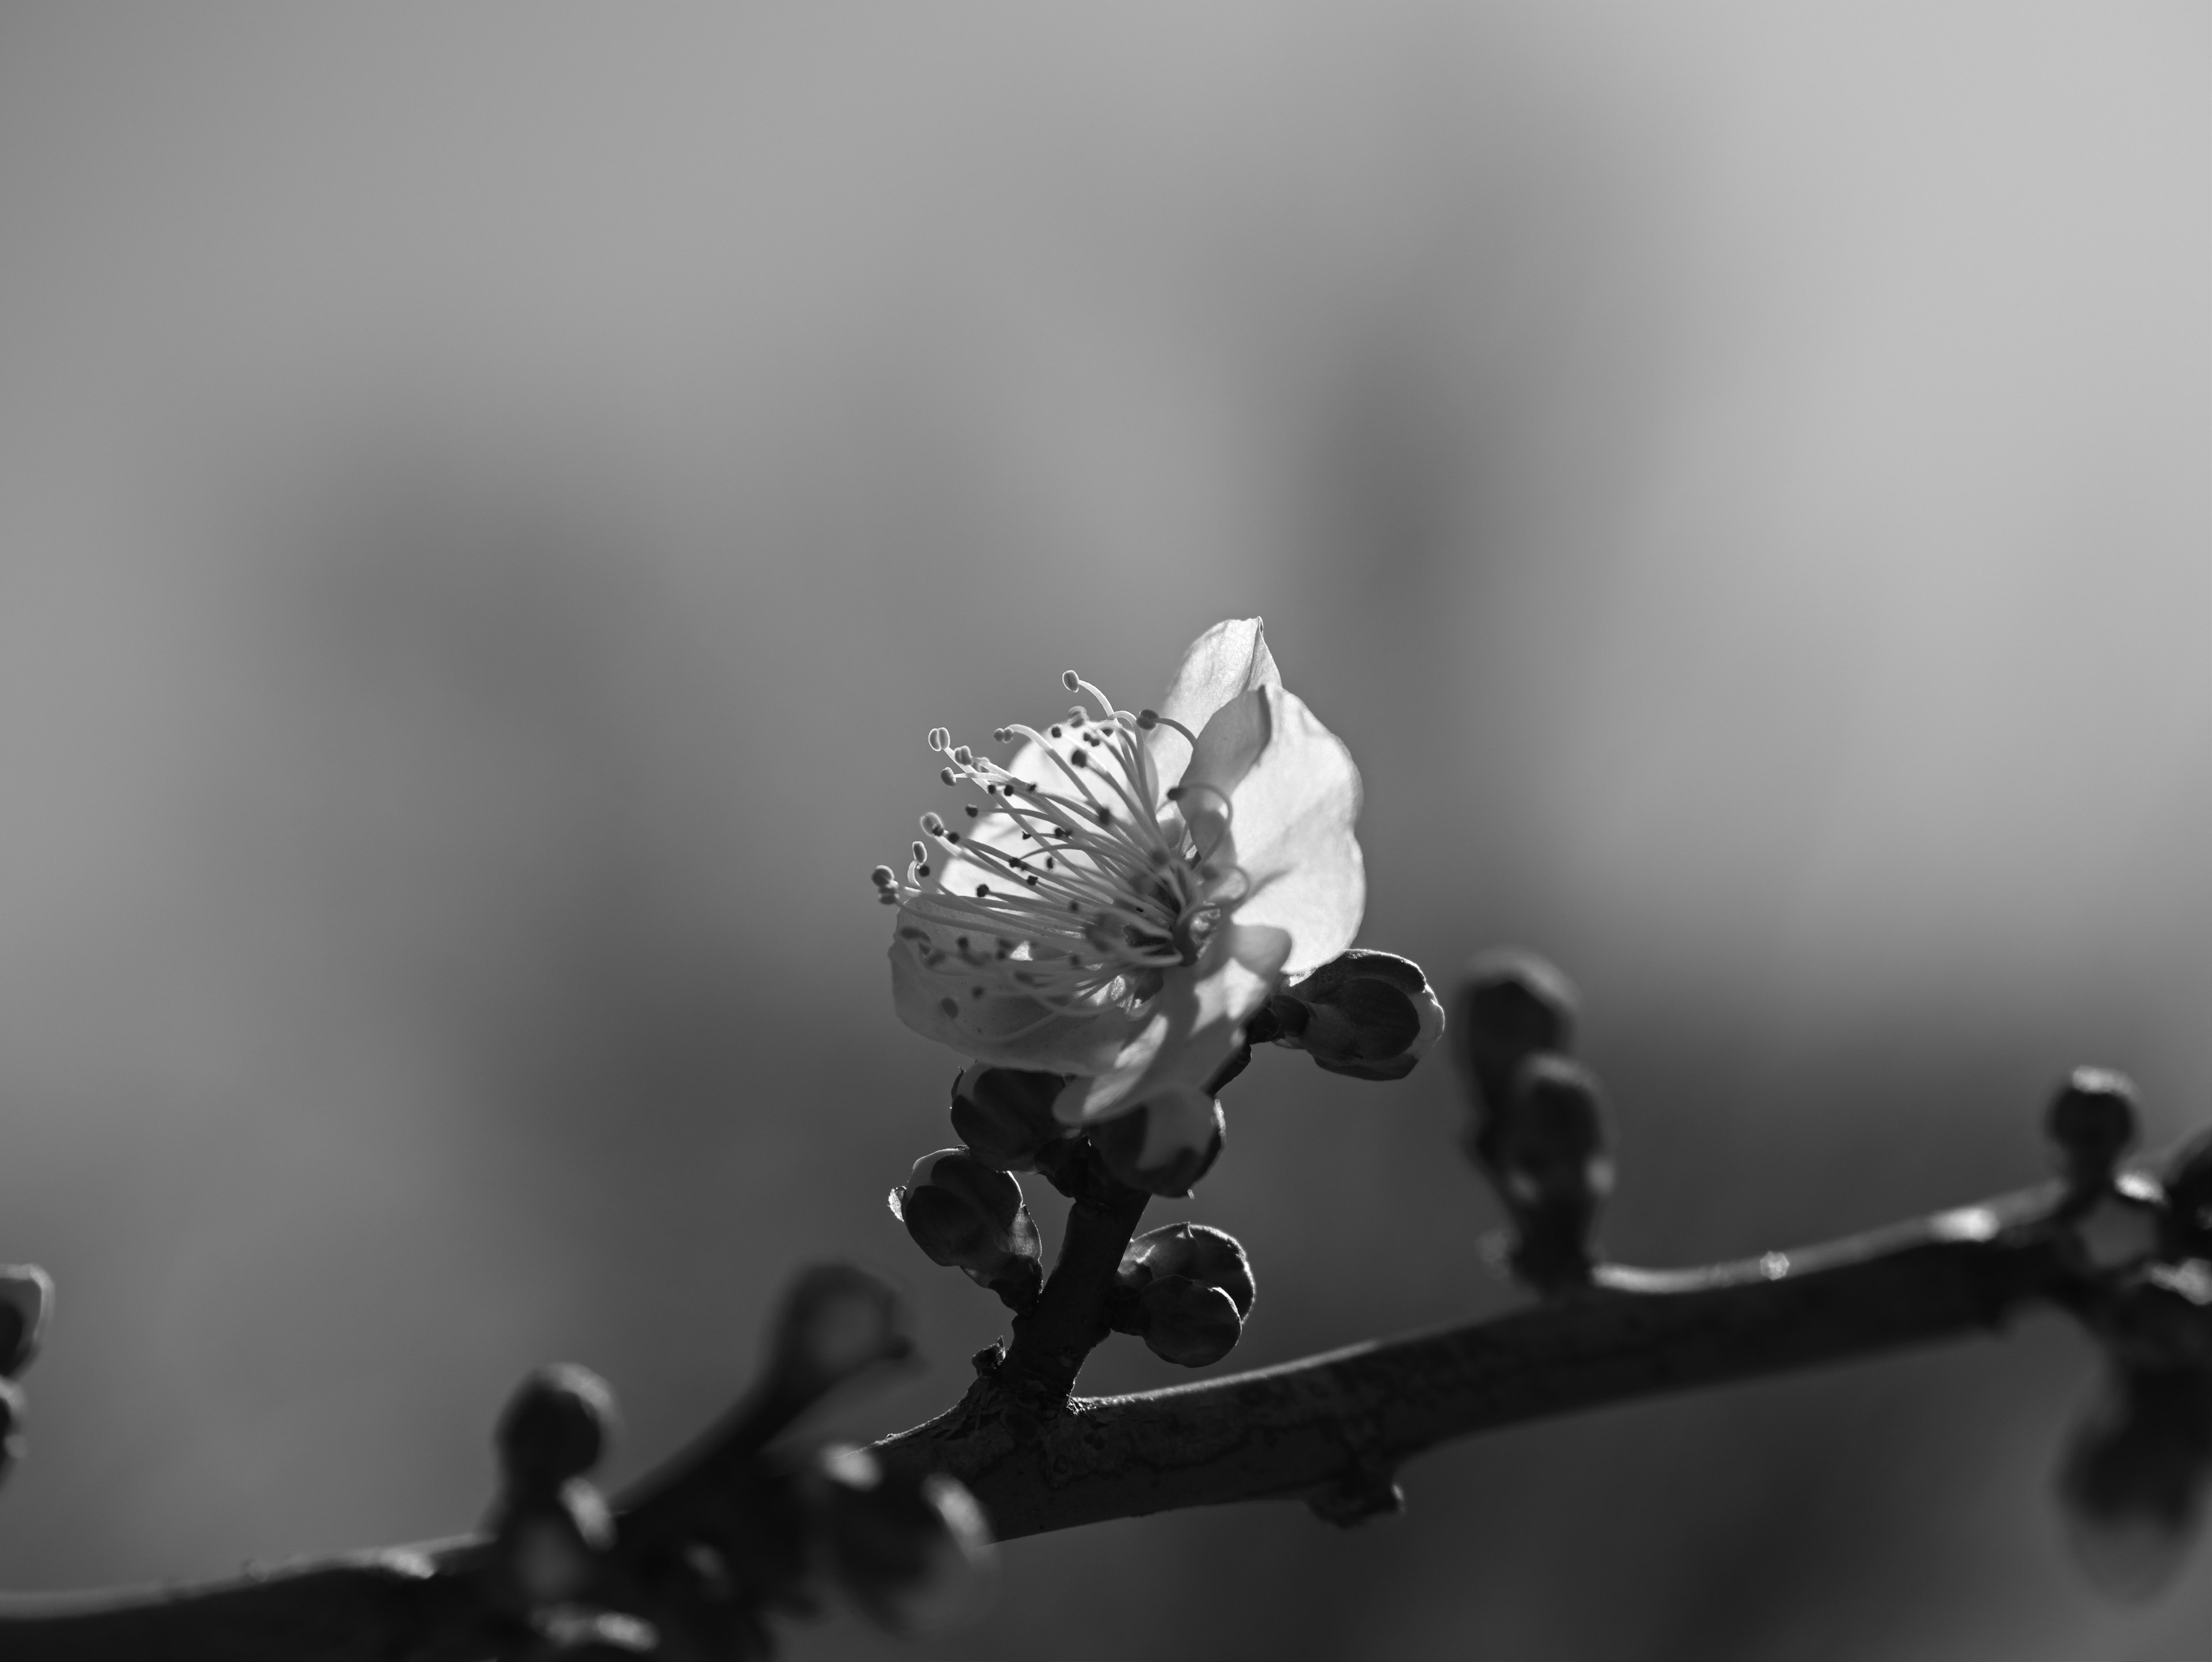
491, 499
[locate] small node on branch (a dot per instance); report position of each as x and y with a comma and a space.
1003, 1114
1186, 1290
2133, 1477
912, 1550
1363, 1493
1553, 1170
1365, 1014
968, 1216
1169, 1165
1510, 1005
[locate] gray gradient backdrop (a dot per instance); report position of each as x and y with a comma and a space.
491, 500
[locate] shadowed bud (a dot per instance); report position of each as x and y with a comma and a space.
551, 1527
1004, 1115
1552, 1168
1367, 1015
1186, 1291
1511, 1005
967, 1215
2189, 1197
1205, 1255
1165, 1146
913, 1553
26, 1302
2132, 1481
11, 1426
2092, 1122
1188, 1323
556, 1426
837, 1321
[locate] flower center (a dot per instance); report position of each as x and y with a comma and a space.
1079, 889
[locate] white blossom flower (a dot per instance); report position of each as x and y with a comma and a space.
1120, 897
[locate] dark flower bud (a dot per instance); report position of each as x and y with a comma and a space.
837, 1321
2189, 1197
1165, 1146
1368, 1014
1004, 1115
1511, 1005
2093, 1122
1188, 1322
11, 1425
551, 1526
967, 1215
556, 1426
1185, 1290
1552, 1168
26, 1302
1194, 1250
913, 1551
2132, 1481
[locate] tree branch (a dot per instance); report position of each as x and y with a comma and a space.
1349, 1417
1329, 1422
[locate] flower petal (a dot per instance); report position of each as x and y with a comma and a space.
1229, 659
1189, 1029
1004, 1029
1293, 794
1178, 1120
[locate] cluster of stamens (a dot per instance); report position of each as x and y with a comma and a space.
1099, 890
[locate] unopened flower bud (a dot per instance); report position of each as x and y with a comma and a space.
1188, 1322
2189, 1197
551, 1526
2134, 1474
968, 1216
26, 1302
556, 1426
2093, 1122
1185, 1290
1511, 1005
912, 1552
1004, 1115
1166, 1146
1204, 1255
1368, 1014
837, 1321
1553, 1168
11, 1425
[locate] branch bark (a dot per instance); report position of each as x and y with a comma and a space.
1345, 1419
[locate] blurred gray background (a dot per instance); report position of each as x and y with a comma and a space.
492, 499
